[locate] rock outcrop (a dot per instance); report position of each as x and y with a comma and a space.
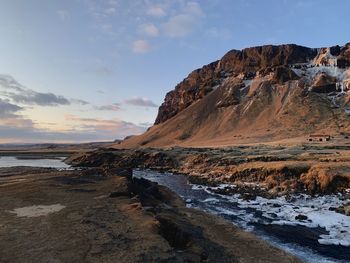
258, 94
198, 84
275, 170
324, 83
248, 61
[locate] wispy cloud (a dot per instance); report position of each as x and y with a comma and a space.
107, 29
142, 102
17, 93
31, 97
149, 30
111, 107
110, 10
156, 11
101, 13
100, 132
113, 2
146, 124
100, 9
182, 24
85, 130
141, 46
79, 101
102, 71
106, 128
8, 110
16, 127
179, 26
63, 14
215, 32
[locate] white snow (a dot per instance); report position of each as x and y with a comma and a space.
325, 55
215, 87
211, 200
247, 84
317, 212
280, 211
310, 70
313, 68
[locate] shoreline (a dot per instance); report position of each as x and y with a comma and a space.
277, 219
202, 166
159, 226
267, 171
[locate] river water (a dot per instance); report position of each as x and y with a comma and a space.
320, 236
10, 161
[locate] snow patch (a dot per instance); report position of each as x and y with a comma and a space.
324, 57
37, 210
317, 210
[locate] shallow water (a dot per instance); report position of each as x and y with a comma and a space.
10, 161
323, 237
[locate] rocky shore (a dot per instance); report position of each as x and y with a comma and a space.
102, 214
267, 171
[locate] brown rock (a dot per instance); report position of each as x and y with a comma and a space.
324, 83
248, 61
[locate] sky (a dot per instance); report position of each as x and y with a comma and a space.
97, 70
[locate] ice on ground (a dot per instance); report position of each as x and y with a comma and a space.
37, 210
247, 214
281, 211
317, 210
211, 200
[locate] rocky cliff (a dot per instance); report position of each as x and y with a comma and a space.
248, 61
267, 92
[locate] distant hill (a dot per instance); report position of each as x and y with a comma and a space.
57, 146
258, 94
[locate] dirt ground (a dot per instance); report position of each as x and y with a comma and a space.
80, 216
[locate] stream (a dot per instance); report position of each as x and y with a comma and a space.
301, 225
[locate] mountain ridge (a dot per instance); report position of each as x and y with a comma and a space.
262, 92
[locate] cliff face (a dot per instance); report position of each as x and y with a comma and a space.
249, 61
198, 84
257, 94
257, 58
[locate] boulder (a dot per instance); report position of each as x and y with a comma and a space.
301, 217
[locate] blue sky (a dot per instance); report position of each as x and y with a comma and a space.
87, 70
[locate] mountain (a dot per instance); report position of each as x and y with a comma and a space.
259, 94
